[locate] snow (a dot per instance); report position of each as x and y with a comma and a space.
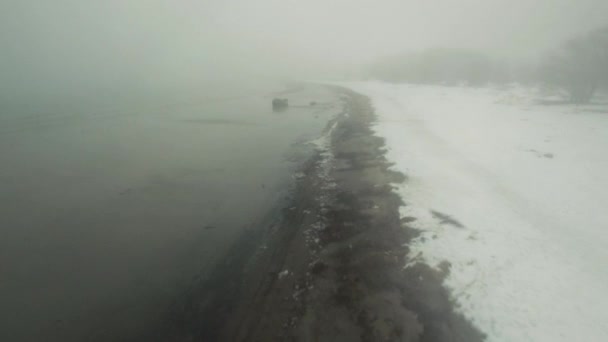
323, 171
528, 183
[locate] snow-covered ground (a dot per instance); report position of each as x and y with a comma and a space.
514, 194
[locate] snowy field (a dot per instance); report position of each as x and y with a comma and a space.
514, 195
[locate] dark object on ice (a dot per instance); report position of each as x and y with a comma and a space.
446, 219
313, 103
279, 104
209, 227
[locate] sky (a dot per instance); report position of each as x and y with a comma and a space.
110, 44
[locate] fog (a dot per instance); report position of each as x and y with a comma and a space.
72, 48
123, 184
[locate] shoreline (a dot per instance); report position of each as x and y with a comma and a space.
363, 292
332, 265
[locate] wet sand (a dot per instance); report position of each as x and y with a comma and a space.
330, 266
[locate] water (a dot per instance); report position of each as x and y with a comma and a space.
107, 213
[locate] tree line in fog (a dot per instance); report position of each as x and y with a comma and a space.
578, 67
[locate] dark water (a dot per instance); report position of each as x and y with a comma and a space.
106, 215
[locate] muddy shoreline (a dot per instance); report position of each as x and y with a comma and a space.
329, 267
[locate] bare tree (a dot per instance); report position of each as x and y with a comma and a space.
580, 66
